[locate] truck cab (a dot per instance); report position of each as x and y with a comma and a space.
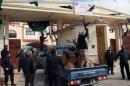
61, 48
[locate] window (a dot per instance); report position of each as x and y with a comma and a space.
29, 31
12, 34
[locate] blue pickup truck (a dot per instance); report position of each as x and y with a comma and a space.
83, 76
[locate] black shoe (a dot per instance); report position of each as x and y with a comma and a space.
112, 73
0, 8
13, 84
122, 78
128, 78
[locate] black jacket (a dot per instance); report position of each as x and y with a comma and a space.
124, 56
28, 65
53, 65
22, 61
7, 64
4, 52
110, 56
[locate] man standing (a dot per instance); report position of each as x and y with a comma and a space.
4, 53
109, 57
27, 64
124, 57
21, 57
8, 69
53, 67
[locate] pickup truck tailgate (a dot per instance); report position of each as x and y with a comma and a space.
80, 73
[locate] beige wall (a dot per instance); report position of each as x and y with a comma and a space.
18, 31
36, 36
19, 27
69, 34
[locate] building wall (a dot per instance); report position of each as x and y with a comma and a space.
18, 31
68, 34
21, 28
35, 37
92, 44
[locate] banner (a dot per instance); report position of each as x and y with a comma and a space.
1, 1
39, 26
83, 9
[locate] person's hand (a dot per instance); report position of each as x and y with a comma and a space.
19, 70
46, 76
6, 69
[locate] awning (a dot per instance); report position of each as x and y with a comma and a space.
26, 12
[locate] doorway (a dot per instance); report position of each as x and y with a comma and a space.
100, 43
113, 44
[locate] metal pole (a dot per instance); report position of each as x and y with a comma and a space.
4, 35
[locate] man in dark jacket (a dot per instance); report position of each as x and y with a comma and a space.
53, 69
4, 51
8, 69
109, 57
27, 64
124, 57
22, 60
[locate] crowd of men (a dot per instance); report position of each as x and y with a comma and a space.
26, 63
55, 65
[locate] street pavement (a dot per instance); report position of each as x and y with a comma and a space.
113, 80
39, 78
